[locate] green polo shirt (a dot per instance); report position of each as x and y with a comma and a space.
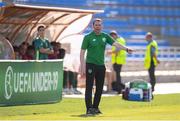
38, 43
95, 46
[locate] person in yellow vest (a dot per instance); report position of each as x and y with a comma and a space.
151, 60
118, 59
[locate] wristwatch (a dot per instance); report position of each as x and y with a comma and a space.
127, 49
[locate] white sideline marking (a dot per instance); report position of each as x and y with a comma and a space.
167, 88
145, 73
160, 88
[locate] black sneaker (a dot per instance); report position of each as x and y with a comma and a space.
97, 111
90, 112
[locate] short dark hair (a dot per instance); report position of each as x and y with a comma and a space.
39, 27
97, 19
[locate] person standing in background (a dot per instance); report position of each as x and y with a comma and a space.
22, 50
118, 59
73, 68
109, 70
42, 45
62, 52
16, 53
30, 53
55, 49
151, 60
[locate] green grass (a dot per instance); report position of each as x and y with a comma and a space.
163, 107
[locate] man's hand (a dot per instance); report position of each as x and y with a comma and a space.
158, 61
82, 69
129, 50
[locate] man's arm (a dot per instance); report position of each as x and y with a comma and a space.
82, 63
118, 45
46, 51
154, 54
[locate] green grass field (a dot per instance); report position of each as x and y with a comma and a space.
163, 107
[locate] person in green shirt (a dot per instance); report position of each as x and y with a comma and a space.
94, 68
42, 46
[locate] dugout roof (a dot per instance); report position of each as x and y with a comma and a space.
18, 23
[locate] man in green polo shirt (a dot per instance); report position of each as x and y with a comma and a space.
95, 43
42, 46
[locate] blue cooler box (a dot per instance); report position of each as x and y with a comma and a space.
135, 97
138, 90
135, 94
